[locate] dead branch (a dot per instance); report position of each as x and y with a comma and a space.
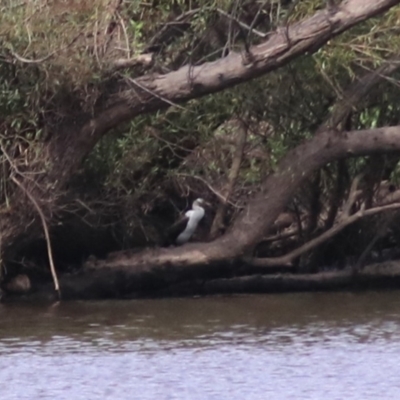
242, 24
287, 259
41, 214
45, 58
226, 191
352, 97
145, 60
159, 38
281, 236
314, 204
46, 233
351, 199
380, 232
155, 94
337, 194
212, 189
102, 32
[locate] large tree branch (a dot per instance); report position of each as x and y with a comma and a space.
348, 102
194, 81
287, 259
152, 92
299, 164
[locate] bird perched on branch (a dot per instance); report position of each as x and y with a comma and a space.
181, 232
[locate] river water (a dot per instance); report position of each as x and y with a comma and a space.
293, 346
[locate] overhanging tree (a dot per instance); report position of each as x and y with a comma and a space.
70, 138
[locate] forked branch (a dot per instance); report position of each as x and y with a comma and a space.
287, 259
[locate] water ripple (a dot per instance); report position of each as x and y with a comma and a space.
309, 346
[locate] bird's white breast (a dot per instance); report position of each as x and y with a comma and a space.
194, 217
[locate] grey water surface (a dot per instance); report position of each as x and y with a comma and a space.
292, 346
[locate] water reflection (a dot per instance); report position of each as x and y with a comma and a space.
302, 346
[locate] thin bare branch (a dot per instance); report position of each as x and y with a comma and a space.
162, 98
216, 192
41, 214
242, 24
226, 192
43, 59
287, 259
46, 233
145, 60
352, 198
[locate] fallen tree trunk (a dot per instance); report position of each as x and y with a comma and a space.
124, 283
377, 276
